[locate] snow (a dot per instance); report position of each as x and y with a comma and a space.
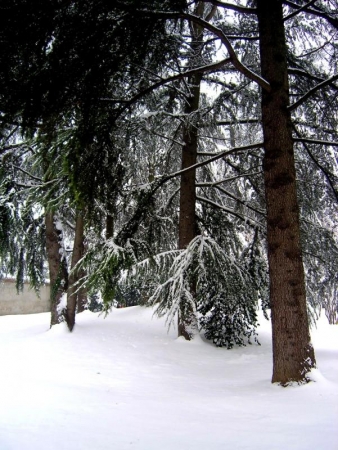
123, 382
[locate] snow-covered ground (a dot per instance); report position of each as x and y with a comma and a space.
124, 383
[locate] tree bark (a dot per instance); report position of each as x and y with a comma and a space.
76, 297
58, 273
293, 354
187, 216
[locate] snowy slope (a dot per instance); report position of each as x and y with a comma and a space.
124, 383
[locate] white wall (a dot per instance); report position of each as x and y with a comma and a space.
26, 302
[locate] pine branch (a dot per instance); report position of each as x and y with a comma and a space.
327, 174
245, 219
214, 158
236, 122
315, 141
299, 10
312, 91
229, 194
28, 174
241, 9
315, 12
149, 191
242, 68
303, 73
225, 180
232, 37
203, 69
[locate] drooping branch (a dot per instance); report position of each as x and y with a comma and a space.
299, 10
242, 68
208, 68
245, 219
231, 6
226, 180
316, 141
303, 73
327, 174
312, 91
315, 11
149, 191
242, 202
238, 122
33, 177
217, 156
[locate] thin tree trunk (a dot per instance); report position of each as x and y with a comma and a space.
293, 354
58, 273
75, 297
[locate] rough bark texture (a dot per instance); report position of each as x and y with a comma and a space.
75, 297
293, 355
57, 265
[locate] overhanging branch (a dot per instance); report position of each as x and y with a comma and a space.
312, 91
245, 219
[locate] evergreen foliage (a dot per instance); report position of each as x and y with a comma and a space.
90, 121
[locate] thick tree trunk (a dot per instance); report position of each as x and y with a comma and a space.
293, 355
76, 297
187, 217
58, 273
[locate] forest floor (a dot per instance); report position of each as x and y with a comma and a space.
122, 382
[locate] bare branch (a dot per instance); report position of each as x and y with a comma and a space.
233, 197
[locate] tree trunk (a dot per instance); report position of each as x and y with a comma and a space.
293, 355
187, 217
109, 226
58, 273
75, 296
